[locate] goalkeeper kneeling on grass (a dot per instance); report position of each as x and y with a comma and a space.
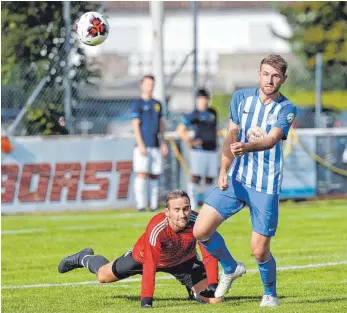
168, 246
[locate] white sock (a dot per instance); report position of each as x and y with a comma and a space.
208, 190
140, 189
154, 193
193, 195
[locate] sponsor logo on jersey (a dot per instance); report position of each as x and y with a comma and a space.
157, 107
271, 119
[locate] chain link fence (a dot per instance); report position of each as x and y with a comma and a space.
34, 95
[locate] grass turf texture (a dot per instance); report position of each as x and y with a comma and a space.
309, 233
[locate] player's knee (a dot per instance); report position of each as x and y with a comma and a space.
102, 275
260, 253
200, 233
151, 176
196, 179
209, 180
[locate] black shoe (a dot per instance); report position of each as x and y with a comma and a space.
155, 210
73, 261
191, 295
141, 210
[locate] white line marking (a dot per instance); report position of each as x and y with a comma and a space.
81, 227
22, 231
79, 217
129, 280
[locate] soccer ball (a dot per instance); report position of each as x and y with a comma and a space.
92, 28
256, 133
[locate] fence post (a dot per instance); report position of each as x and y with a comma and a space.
157, 13
67, 80
195, 50
318, 88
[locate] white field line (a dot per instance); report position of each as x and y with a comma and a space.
81, 227
129, 280
80, 217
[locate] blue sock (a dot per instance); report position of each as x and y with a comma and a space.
267, 271
216, 247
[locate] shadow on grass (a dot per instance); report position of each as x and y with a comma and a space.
324, 300
137, 298
227, 299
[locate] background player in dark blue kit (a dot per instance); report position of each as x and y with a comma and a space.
203, 156
150, 147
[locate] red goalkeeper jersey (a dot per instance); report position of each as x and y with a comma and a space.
161, 247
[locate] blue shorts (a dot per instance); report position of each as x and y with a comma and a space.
263, 207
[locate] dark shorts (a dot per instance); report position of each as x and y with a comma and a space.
188, 273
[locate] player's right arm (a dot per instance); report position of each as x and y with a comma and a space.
136, 123
152, 248
183, 133
231, 137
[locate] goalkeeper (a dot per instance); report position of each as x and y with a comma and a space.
168, 245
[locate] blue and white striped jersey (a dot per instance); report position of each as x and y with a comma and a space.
261, 170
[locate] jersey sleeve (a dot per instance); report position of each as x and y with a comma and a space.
152, 248
234, 107
136, 109
211, 265
160, 114
285, 119
188, 119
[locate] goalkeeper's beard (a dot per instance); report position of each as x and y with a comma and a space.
178, 224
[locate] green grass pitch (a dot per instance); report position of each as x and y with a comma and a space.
310, 233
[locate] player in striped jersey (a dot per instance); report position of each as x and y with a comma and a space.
260, 119
168, 245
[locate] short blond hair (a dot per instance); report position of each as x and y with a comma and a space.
277, 62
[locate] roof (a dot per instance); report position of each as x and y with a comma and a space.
129, 5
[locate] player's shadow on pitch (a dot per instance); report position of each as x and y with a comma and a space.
322, 300
236, 299
240, 299
137, 298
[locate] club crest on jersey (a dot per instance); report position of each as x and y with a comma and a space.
271, 119
290, 117
157, 107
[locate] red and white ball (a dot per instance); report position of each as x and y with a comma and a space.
92, 28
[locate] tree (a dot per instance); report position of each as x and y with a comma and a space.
33, 46
320, 27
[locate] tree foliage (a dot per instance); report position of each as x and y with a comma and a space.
33, 46
320, 27
33, 34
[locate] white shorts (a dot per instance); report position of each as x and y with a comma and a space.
150, 163
204, 163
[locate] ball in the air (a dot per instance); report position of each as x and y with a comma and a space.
92, 28
256, 133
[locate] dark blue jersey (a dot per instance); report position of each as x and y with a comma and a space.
204, 124
149, 112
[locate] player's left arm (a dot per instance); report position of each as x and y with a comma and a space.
279, 131
152, 248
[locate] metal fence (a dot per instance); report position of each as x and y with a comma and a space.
33, 96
